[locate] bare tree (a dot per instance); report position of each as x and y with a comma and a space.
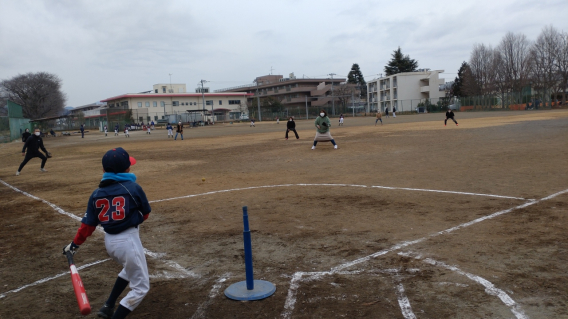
544, 53
482, 69
562, 63
514, 50
39, 94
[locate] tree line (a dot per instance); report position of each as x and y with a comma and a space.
517, 65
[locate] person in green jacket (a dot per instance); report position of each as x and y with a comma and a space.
323, 124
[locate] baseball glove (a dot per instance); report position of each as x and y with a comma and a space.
49, 155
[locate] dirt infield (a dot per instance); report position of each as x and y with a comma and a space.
411, 219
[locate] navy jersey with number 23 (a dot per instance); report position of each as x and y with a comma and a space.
117, 207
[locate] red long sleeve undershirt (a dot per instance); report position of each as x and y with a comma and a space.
86, 230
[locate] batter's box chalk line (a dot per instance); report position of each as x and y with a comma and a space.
489, 287
289, 305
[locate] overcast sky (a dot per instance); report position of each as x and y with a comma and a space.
105, 48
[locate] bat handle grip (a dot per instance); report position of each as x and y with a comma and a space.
69, 257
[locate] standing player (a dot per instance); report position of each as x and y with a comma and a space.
450, 115
148, 128
179, 131
152, 124
116, 130
170, 130
379, 117
252, 123
26, 135
291, 126
393, 111
323, 124
119, 205
126, 134
387, 111
33, 144
341, 119
82, 131
106, 130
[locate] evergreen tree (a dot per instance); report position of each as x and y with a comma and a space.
400, 63
464, 83
356, 77
458, 86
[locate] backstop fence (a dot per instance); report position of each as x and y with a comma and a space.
13, 125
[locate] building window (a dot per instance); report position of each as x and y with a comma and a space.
208, 102
232, 102
175, 103
156, 90
155, 103
139, 104
155, 118
220, 102
162, 104
163, 89
147, 104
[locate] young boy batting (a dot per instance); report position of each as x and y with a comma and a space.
119, 205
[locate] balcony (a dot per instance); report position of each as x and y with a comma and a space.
424, 89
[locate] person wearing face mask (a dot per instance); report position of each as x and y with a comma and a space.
179, 131
25, 135
291, 126
322, 124
33, 144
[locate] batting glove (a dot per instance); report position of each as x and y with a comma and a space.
72, 248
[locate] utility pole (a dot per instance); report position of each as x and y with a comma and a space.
307, 115
203, 97
258, 101
332, 97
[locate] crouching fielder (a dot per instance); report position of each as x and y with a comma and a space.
323, 124
119, 205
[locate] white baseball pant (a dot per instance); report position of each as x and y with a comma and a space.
126, 249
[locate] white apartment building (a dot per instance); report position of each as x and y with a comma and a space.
404, 91
156, 105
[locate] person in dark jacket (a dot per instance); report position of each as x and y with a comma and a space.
33, 144
291, 126
450, 115
82, 131
25, 135
179, 130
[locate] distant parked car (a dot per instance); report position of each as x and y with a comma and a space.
244, 117
453, 107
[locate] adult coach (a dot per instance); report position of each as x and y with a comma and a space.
291, 126
450, 115
33, 144
323, 124
119, 205
82, 131
179, 131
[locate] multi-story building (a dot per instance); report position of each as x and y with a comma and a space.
294, 92
404, 91
176, 104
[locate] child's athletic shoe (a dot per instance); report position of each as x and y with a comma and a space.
457, 124
335, 147
43, 170
17, 173
313, 147
105, 312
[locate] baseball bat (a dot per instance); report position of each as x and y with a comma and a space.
80, 293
